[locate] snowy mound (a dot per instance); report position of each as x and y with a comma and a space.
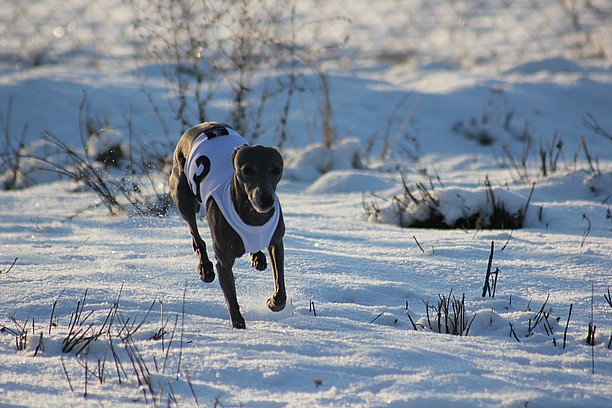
453, 208
316, 160
557, 64
347, 181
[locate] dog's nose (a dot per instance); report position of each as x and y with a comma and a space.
263, 202
266, 201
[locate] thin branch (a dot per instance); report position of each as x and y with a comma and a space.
567, 324
178, 369
486, 288
419, 245
590, 123
66, 373
10, 267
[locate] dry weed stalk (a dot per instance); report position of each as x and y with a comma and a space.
449, 315
8, 269
491, 276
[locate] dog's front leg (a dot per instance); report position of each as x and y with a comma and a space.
276, 252
228, 285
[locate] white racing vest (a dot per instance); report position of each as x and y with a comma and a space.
209, 170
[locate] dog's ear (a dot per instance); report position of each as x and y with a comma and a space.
280, 156
235, 152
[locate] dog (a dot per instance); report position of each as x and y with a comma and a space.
214, 167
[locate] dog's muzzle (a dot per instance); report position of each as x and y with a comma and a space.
262, 201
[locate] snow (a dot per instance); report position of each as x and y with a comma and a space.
408, 90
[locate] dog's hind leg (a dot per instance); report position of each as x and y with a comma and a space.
258, 261
188, 207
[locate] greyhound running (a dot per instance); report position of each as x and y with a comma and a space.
213, 166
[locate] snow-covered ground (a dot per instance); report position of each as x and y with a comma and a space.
443, 91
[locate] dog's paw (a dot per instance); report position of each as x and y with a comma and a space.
258, 261
276, 304
238, 323
206, 272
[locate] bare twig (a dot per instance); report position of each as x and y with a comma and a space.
513, 333
10, 267
608, 297
169, 344
486, 288
593, 163
20, 333
53, 310
541, 315
587, 231
419, 245
66, 373
40, 345
132, 330
188, 379
590, 123
78, 333
450, 315
592, 329
414, 326
569, 315
524, 213
86, 377
496, 273
376, 318
140, 368
509, 237
118, 363
312, 308
178, 368
161, 332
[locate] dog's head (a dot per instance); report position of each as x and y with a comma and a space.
258, 170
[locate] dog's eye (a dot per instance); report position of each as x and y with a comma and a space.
248, 171
276, 171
